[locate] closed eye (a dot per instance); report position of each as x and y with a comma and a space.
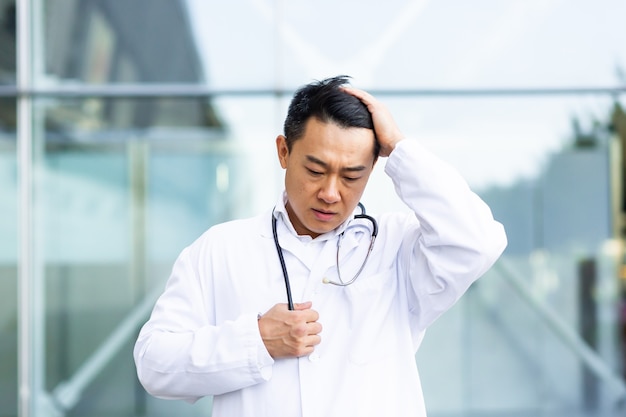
314, 173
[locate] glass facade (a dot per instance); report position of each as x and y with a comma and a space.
149, 121
8, 261
8, 214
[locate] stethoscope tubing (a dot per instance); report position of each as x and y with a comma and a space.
281, 258
341, 283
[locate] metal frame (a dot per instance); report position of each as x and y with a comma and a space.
201, 90
25, 181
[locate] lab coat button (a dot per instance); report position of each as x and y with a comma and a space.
314, 357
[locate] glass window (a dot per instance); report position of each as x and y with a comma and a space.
8, 264
122, 183
101, 41
7, 42
117, 200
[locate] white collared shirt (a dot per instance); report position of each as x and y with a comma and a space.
203, 339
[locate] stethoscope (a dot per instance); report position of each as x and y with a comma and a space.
341, 283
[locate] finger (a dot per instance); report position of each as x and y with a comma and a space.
314, 328
303, 351
303, 306
362, 95
307, 315
313, 340
311, 316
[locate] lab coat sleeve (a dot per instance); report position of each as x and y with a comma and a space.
181, 354
455, 239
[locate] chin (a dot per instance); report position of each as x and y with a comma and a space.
322, 230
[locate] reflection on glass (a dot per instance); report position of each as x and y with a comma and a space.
8, 264
7, 42
122, 186
86, 116
101, 41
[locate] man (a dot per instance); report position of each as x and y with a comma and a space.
341, 350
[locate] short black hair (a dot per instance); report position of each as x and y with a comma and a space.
326, 101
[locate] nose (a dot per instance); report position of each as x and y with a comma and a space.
329, 192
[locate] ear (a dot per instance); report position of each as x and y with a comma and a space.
282, 150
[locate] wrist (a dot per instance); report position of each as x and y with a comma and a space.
389, 147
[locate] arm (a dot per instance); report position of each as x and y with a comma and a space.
455, 239
180, 352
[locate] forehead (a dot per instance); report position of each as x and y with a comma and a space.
331, 139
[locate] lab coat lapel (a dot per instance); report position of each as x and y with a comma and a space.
292, 244
327, 259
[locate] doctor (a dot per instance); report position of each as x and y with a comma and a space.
273, 318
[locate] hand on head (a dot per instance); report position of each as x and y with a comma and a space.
387, 132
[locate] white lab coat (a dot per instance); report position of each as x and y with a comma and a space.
203, 339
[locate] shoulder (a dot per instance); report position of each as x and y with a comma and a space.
397, 224
397, 218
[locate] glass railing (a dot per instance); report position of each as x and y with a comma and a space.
8, 264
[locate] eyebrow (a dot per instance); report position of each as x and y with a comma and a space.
314, 160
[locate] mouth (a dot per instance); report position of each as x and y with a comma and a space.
323, 215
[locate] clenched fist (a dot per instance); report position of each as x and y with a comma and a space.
290, 333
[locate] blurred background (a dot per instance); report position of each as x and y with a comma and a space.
127, 128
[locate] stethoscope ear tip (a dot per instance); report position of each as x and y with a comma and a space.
326, 280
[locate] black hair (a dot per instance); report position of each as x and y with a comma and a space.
326, 101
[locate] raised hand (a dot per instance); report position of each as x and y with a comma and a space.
387, 132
